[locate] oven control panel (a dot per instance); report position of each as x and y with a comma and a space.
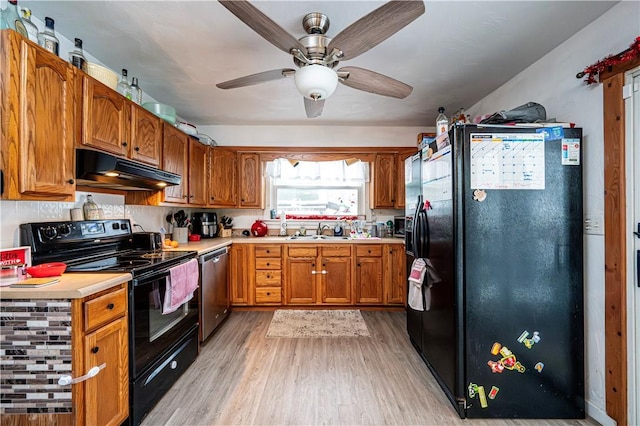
38, 235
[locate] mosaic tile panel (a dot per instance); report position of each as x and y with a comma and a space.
35, 350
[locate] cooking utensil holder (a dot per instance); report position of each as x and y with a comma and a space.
181, 235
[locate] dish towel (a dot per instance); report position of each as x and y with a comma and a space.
181, 283
416, 277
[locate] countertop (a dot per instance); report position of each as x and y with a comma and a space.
78, 285
71, 286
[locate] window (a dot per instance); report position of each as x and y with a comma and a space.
328, 189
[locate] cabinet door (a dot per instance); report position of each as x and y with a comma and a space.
107, 394
198, 159
175, 159
146, 136
395, 279
105, 118
239, 283
300, 286
250, 184
336, 282
222, 178
369, 280
399, 202
383, 181
37, 121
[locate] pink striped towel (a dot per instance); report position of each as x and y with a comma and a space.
181, 283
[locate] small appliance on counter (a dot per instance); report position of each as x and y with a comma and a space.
205, 224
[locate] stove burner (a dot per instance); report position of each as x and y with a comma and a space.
131, 263
152, 255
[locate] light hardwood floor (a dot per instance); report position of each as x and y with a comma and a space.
243, 378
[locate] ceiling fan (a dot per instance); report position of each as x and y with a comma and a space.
316, 55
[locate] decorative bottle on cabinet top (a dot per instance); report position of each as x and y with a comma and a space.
136, 91
11, 19
47, 38
77, 58
123, 85
32, 30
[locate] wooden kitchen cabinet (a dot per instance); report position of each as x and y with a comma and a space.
112, 123
175, 159
222, 178
369, 274
238, 275
399, 198
267, 277
395, 280
99, 328
250, 181
38, 116
187, 157
383, 181
317, 275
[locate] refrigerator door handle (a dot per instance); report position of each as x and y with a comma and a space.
638, 267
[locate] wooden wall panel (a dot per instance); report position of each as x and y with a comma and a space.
615, 248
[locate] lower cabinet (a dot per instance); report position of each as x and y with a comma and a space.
317, 275
369, 274
99, 327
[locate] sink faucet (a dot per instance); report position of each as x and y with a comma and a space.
321, 228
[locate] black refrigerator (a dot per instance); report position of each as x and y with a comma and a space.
500, 220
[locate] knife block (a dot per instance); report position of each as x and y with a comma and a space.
225, 232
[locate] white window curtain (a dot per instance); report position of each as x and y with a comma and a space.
318, 171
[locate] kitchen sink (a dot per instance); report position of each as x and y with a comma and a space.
316, 237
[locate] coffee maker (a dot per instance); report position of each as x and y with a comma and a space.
205, 224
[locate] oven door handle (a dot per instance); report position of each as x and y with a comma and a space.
148, 279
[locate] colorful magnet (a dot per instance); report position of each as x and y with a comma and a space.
479, 195
496, 367
519, 367
472, 389
493, 392
495, 349
523, 336
536, 337
483, 397
505, 352
539, 366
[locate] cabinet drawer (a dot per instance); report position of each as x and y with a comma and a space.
269, 295
269, 263
268, 250
303, 251
105, 308
268, 279
342, 250
368, 250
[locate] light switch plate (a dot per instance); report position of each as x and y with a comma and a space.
594, 225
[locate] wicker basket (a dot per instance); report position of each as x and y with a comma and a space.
103, 75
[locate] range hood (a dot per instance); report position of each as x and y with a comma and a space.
102, 170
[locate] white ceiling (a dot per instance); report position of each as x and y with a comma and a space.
453, 55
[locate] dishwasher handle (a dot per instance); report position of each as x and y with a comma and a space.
213, 256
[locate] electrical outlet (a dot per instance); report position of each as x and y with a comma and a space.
594, 225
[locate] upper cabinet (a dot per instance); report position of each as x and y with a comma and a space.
37, 93
222, 178
387, 182
198, 162
111, 122
251, 182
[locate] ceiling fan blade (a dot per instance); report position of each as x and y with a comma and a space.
313, 108
263, 25
375, 27
373, 82
261, 77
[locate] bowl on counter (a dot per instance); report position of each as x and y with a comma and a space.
194, 237
44, 270
103, 75
164, 111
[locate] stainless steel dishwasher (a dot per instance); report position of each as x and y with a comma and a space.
214, 294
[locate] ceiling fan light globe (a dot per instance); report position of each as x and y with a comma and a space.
316, 81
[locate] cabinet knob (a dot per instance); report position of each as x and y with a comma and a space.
124, 143
268, 294
268, 276
369, 251
71, 181
268, 264
213, 198
95, 350
137, 148
242, 200
110, 306
184, 196
191, 196
267, 250
358, 265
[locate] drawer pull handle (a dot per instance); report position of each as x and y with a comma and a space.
66, 379
110, 306
95, 349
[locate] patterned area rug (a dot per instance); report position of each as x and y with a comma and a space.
317, 323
